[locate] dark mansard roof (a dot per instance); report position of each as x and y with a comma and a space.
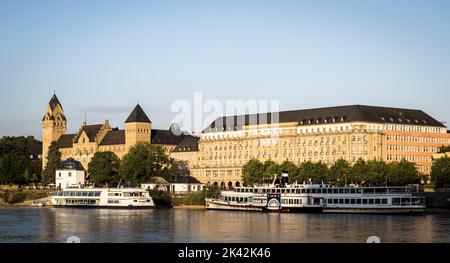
342, 114
189, 143
117, 136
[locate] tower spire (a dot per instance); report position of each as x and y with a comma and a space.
138, 115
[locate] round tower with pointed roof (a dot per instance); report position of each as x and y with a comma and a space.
138, 127
54, 124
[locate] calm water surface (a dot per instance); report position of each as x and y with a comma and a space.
184, 225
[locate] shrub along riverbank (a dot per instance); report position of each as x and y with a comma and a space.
19, 197
165, 199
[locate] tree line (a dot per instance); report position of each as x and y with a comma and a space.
373, 172
142, 162
18, 165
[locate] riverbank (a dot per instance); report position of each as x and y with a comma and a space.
189, 207
21, 198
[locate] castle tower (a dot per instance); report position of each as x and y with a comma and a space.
138, 127
54, 124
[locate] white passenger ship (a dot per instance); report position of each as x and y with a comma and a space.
319, 198
103, 197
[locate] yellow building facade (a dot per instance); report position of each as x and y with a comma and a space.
317, 135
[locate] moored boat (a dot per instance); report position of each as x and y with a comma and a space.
102, 198
320, 198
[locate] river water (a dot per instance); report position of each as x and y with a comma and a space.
18, 224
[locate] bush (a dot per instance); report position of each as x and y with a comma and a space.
13, 197
196, 198
440, 172
161, 198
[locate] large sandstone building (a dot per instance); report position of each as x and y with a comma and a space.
325, 135
220, 151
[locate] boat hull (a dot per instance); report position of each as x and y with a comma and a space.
295, 210
393, 211
103, 207
212, 205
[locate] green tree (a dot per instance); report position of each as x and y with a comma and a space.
252, 172
376, 173
175, 168
271, 168
440, 171
444, 149
339, 172
358, 172
104, 168
36, 177
316, 172
161, 198
15, 158
28, 178
402, 173
142, 162
53, 158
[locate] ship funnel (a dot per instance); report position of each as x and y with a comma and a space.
284, 178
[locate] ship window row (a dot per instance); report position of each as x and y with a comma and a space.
113, 201
303, 191
261, 200
80, 202
238, 199
291, 201
357, 201
77, 194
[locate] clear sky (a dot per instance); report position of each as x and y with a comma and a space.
104, 56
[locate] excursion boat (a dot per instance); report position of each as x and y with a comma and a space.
324, 198
103, 198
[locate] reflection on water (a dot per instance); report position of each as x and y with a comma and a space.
179, 225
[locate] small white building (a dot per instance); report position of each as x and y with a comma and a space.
180, 185
70, 173
156, 183
186, 185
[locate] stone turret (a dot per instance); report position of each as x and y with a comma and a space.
54, 124
138, 127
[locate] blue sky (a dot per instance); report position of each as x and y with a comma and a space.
104, 56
